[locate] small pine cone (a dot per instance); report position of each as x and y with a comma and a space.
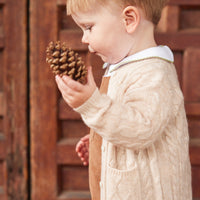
64, 61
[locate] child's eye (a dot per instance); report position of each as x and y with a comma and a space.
88, 28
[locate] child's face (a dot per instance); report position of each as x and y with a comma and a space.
104, 32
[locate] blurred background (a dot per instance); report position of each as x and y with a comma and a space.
38, 131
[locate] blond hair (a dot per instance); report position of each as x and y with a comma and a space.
152, 8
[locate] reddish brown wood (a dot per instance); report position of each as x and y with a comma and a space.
13, 137
73, 39
1, 43
184, 2
66, 152
195, 182
192, 109
71, 195
65, 112
191, 74
74, 178
178, 61
72, 129
2, 147
43, 102
194, 151
179, 40
61, 2
96, 63
194, 126
170, 19
189, 18
2, 106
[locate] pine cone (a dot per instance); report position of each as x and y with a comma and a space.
64, 61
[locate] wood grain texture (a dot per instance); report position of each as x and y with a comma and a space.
43, 122
14, 99
2, 106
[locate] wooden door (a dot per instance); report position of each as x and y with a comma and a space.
56, 171
13, 101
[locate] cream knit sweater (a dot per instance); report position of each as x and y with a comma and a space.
145, 136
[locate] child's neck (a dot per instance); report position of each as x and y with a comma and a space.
143, 38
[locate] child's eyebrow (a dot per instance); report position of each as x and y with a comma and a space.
82, 24
85, 24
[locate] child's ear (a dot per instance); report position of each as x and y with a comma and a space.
131, 18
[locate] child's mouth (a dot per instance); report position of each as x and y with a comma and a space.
91, 50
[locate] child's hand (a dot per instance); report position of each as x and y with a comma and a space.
75, 93
82, 149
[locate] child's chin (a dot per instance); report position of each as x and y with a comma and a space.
103, 58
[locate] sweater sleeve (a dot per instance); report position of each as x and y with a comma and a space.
136, 120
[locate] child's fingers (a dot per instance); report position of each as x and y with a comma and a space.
85, 138
85, 163
82, 149
60, 83
85, 157
64, 89
80, 155
79, 145
83, 153
82, 159
74, 85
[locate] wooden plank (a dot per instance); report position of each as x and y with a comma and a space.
169, 20
2, 1
65, 112
180, 40
191, 74
66, 152
194, 151
2, 147
2, 137
195, 182
61, 2
72, 195
43, 94
192, 109
3, 196
15, 99
185, 2
2, 193
1, 104
1, 190
73, 39
1, 42
73, 178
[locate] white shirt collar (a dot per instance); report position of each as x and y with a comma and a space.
162, 52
